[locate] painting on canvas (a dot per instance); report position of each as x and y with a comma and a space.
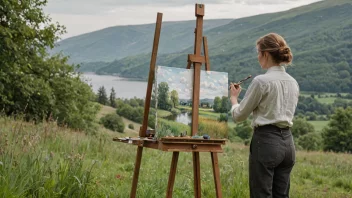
172, 97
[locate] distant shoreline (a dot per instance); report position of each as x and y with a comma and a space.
119, 77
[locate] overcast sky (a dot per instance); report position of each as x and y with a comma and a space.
82, 16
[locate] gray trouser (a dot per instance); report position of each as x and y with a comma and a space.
271, 159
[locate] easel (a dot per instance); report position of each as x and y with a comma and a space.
179, 144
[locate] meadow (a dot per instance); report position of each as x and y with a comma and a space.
45, 160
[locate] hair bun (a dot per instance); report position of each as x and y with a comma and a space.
285, 50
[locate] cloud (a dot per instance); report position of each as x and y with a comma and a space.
93, 7
270, 2
183, 80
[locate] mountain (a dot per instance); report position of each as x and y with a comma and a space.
319, 34
113, 43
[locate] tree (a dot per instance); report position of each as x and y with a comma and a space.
112, 98
217, 104
301, 127
32, 83
163, 96
337, 136
174, 98
102, 97
224, 105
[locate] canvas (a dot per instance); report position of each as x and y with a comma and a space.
172, 97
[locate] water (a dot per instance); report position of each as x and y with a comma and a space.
124, 88
184, 118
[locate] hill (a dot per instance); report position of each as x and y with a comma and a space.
113, 43
319, 35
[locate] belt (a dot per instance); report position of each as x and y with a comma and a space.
271, 127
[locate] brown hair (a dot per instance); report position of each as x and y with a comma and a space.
277, 48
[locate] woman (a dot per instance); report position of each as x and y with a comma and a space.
272, 98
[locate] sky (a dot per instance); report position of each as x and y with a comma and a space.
212, 83
83, 16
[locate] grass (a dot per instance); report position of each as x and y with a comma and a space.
163, 113
206, 113
326, 98
48, 161
319, 125
108, 110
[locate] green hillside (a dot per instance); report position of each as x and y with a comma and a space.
120, 41
319, 35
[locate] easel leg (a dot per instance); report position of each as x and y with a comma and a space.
136, 172
196, 171
173, 168
216, 172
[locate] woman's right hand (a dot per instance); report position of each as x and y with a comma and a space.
235, 92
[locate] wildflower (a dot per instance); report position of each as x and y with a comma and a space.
118, 177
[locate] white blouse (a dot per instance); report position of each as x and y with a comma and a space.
272, 97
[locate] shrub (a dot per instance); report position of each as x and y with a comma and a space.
131, 126
175, 111
223, 117
244, 130
310, 141
338, 134
113, 122
301, 127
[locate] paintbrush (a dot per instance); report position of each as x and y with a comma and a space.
241, 81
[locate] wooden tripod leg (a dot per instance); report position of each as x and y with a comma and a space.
173, 167
196, 171
136, 172
216, 172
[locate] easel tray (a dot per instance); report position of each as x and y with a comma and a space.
181, 144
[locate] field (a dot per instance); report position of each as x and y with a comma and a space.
48, 161
325, 98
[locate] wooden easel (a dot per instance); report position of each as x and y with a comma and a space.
178, 144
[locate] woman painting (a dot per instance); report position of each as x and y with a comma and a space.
272, 98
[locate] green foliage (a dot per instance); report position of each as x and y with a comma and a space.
136, 112
338, 135
217, 104
41, 161
114, 43
151, 121
113, 122
213, 128
164, 96
170, 128
301, 127
131, 126
225, 105
321, 42
244, 130
174, 98
93, 171
175, 111
221, 105
112, 98
223, 117
32, 83
311, 141
102, 96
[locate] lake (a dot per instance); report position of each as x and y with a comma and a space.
124, 88
184, 118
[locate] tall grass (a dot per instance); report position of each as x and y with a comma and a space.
35, 161
48, 161
213, 128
